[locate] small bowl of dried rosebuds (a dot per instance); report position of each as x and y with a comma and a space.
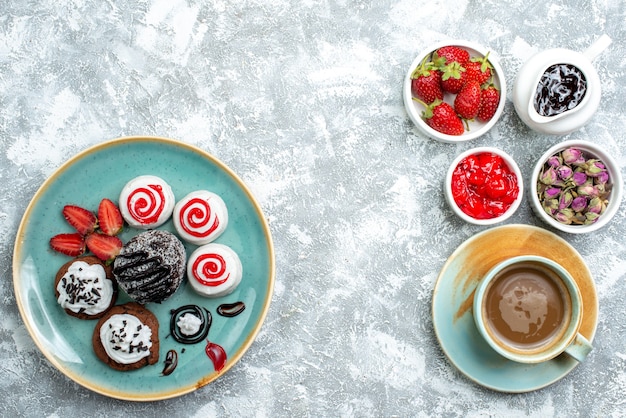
576, 187
455, 91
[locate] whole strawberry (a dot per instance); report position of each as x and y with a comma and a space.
478, 69
490, 98
440, 116
426, 82
453, 78
467, 102
450, 54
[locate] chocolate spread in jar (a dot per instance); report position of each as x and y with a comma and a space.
561, 88
527, 306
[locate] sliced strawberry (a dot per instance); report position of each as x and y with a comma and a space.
105, 247
109, 218
72, 244
81, 219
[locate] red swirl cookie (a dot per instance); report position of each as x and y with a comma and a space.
214, 270
146, 202
200, 217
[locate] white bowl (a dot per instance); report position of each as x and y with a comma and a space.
615, 180
477, 128
512, 166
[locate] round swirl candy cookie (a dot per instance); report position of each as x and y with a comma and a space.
214, 270
200, 217
146, 202
127, 337
85, 287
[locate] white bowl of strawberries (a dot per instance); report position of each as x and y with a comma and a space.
455, 91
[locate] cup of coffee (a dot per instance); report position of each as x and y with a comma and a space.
529, 309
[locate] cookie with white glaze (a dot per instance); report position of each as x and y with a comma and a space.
85, 287
214, 270
200, 217
146, 202
127, 337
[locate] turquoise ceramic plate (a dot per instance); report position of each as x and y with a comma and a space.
452, 306
102, 171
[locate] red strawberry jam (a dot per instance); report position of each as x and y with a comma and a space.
483, 186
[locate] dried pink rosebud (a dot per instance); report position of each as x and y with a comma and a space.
564, 172
565, 200
550, 206
591, 217
579, 178
579, 204
596, 205
587, 190
594, 167
601, 189
565, 216
555, 161
602, 178
551, 192
573, 156
549, 176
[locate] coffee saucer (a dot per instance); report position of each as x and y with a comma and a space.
453, 297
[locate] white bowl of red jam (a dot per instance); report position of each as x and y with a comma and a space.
576, 187
440, 61
484, 186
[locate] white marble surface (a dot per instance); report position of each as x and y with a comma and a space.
303, 100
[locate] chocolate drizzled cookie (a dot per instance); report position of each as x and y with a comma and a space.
151, 266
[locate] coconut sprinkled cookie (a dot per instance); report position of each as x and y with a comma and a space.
151, 266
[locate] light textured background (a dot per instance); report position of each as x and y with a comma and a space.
303, 100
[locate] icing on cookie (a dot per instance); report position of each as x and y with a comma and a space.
125, 338
85, 288
214, 270
146, 202
200, 217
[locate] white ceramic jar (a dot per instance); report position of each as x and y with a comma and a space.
530, 74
